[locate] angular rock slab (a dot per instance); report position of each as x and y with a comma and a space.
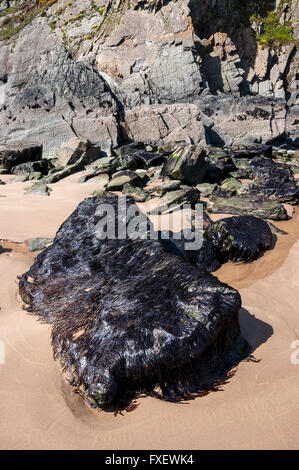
242, 156
41, 166
205, 258
173, 199
128, 316
142, 160
39, 243
252, 151
247, 204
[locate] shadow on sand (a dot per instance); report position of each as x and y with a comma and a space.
253, 330
4, 250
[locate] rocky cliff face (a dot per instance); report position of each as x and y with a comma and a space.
221, 72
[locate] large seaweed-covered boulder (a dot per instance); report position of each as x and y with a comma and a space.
240, 238
127, 316
273, 179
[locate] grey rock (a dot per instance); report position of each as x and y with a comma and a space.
20, 179
162, 67
165, 187
105, 163
135, 178
138, 194
206, 188
41, 166
100, 180
64, 173
130, 149
59, 78
266, 88
19, 152
35, 175
232, 185
155, 73
141, 160
222, 66
213, 120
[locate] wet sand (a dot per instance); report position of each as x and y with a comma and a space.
257, 409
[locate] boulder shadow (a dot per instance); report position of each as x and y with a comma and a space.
255, 331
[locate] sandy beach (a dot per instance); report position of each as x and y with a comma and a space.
257, 409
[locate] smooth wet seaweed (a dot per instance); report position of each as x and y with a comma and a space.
240, 238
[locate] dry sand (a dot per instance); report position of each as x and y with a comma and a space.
257, 409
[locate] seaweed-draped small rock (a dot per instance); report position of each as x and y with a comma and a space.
127, 316
221, 202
